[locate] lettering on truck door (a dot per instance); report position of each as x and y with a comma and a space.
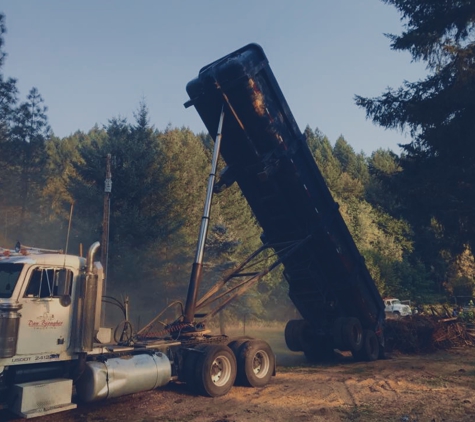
45, 323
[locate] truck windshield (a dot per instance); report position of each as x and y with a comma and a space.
9, 274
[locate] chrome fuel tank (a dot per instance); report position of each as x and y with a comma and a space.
9, 325
123, 375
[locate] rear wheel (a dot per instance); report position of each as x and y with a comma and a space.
255, 363
215, 370
352, 334
293, 334
236, 344
370, 350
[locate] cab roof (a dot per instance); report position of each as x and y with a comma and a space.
53, 259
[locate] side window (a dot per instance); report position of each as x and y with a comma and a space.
44, 282
9, 275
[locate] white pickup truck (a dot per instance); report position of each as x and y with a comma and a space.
394, 307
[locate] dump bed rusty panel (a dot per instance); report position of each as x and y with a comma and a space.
269, 158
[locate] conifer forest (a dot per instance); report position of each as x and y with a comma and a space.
411, 214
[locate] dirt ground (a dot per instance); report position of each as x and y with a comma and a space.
434, 387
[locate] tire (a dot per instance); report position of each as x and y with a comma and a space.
236, 343
293, 334
397, 314
215, 370
370, 350
352, 334
255, 363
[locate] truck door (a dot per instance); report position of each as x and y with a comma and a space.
45, 323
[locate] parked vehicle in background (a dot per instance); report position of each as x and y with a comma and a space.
396, 308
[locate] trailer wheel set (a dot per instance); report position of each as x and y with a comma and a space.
212, 369
348, 335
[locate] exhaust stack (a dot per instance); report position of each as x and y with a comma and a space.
90, 292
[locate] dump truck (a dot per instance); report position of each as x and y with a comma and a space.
51, 339
267, 156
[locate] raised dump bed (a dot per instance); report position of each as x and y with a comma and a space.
267, 155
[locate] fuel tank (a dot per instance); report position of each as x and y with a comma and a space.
9, 325
123, 375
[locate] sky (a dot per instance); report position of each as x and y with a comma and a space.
93, 60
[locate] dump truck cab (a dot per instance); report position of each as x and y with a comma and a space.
36, 291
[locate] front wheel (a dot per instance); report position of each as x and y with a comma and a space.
255, 363
215, 370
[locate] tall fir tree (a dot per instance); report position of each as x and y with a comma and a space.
24, 131
438, 177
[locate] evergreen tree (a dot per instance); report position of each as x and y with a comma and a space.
29, 134
8, 88
383, 239
62, 154
438, 178
8, 101
141, 216
24, 131
322, 150
383, 165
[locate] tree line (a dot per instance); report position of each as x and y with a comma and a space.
412, 215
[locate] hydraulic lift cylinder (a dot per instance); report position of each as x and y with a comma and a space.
196, 272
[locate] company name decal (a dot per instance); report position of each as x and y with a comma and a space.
45, 321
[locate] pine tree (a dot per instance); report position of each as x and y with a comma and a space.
8, 101
438, 177
29, 133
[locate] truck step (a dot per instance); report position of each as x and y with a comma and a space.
39, 398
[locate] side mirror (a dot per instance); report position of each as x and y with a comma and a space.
64, 287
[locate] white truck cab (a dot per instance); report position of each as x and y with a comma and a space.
42, 327
394, 307
29, 287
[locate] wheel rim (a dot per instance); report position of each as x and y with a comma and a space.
221, 370
261, 364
